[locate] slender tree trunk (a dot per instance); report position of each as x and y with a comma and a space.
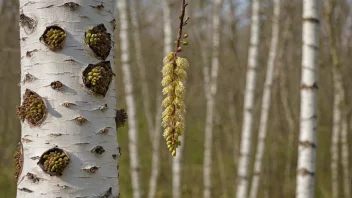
157, 130
141, 67
339, 102
177, 160
91, 169
308, 114
345, 158
266, 102
247, 125
284, 98
177, 171
336, 128
131, 108
210, 101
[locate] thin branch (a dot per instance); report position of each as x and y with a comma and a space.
182, 23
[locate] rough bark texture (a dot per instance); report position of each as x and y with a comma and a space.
247, 125
59, 128
211, 100
131, 108
308, 113
266, 102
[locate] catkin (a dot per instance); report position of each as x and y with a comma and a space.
174, 76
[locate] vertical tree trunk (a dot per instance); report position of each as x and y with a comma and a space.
131, 109
177, 171
308, 118
177, 160
344, 158
141, 67
247, 125
266, 101
73, 118
157, 129
210, 101
339, 102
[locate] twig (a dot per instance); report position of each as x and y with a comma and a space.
179, 35
177, 49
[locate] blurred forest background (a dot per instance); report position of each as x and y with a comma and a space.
278, 177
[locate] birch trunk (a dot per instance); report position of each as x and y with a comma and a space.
59, 128
176, 161
246, 139
131, 109
177, 171
210, 101
141, 67
308, 113
266, 102
338, 99
344, 159
284, 98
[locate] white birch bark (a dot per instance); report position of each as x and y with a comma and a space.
308, 118
336, 128
77, 140
338, 98
177, 160
247, 125
141, 67
266, 101
130, 102
211, 100
157, 129
177, 171
345, 159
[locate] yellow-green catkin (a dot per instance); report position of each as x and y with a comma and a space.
174, 76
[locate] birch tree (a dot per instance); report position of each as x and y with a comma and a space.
308, 118
266, 101
247, 125
141, 67
131, 108
68, 100
211, 100
157, 130
339, 95
345, 159
177, 171
177, 160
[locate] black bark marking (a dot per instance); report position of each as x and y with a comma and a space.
304, 172
98, 150
312, 20
30, 53
307, 144
27, 23
71, 5
309, 87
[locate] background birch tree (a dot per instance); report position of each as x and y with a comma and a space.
279, 161
212, 88
266, 100
65, 117
247, 124
306, 166
129, 94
